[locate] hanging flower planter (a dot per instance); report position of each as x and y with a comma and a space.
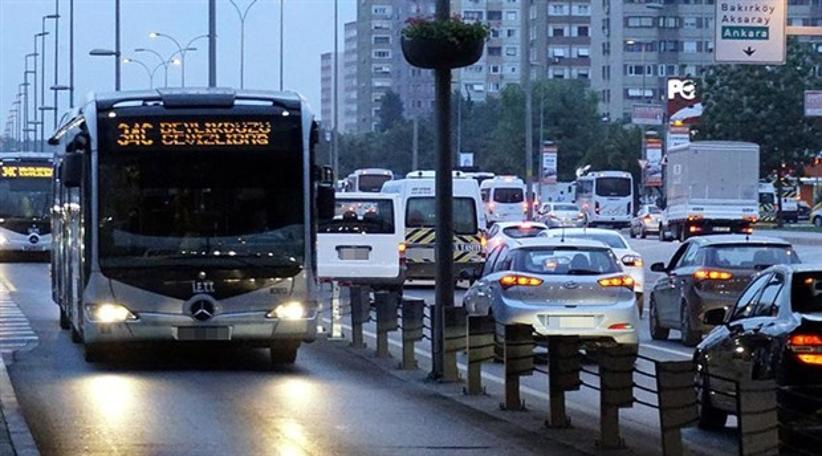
443, 44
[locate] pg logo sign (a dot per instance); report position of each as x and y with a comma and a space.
684, 89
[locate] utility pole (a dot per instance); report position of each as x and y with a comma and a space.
282, 35
117, 64
415, 145
71, 53
212, 43
56, 59
444, 231
525, 75
335, 164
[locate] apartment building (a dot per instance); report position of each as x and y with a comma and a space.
347, 84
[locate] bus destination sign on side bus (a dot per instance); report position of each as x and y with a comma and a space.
18, 171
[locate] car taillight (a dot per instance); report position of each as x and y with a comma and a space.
491, 207
519, 281
619, 281
712, 274
596, 207
807, 347
632, 260
647, 218
525, 207
621, 327
402, 248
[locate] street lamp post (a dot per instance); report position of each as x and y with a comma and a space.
149, 73
35, 104
163, 62
181, 49
242, 15
54, 16
109, 53
42, 36
282, 24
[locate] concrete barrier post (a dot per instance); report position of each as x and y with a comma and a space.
518, 356
616, 369
480, 349
336, 332
564, 364
386, 303
455, 340
757, 415
360, 313
677, 402
413, 312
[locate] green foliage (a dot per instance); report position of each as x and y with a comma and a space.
453, 29
391, 111
764, 105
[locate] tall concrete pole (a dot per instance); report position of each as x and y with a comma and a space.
212, 43
525, 75
415, 145
335, 82
71, 53
282, 60
117, 64
56, 59
444, 208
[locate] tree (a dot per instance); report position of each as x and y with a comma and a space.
391, 111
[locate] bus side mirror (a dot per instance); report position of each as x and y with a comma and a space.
71, 170
326, 202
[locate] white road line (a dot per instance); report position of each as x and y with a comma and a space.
15, 330
666, 350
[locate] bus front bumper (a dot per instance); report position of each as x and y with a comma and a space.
252, 329
20, 243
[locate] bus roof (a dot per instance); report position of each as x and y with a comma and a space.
26, 155
595, 174
194, 97
383, 171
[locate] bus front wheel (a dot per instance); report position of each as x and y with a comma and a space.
284, 352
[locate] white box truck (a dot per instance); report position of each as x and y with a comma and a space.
711, 187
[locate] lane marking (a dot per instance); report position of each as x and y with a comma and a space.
6, 284
666, 350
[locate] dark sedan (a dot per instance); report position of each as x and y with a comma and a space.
706, 273
773, 332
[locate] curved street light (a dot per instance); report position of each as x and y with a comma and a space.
145, 67
108, 53
182, 50
242, 15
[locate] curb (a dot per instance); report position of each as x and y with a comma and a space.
22, 441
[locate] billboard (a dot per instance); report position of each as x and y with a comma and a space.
653, 165
678, 135
684, 103
548, 174
648, 114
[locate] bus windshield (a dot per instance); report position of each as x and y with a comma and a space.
613, 186
203, 207
421, 213
25, 198
372, 182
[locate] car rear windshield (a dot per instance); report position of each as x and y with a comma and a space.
613, 241
749, 256
654, 210
361, 216
613, 186
567, 261
565, 207
421, 212
806, 292
519, 232
508, 195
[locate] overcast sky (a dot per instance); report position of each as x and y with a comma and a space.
308, 33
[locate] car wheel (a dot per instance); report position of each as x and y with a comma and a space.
640, 304
657, 331
642, 234
682, 233
283, 352
710, 417
662, 237
65, 323
817, 221
690, 336
93, 353
631, 232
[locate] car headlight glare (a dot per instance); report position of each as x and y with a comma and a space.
3, 240
288, 311
110, 313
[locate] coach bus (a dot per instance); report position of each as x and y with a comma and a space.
606, 198
188, 216
25, 202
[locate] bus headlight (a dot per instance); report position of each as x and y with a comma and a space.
292, 310
109, 313
3, 240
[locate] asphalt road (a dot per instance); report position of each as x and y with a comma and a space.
206, 401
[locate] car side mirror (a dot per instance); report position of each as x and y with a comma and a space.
326, 202
71, 170
714, 317
659, 267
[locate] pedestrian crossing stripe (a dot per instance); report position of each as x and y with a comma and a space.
15, 330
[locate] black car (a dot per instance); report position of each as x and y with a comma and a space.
705, 273
773, 332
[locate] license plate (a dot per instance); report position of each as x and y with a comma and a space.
467, 247
577, 322
186, 333
353, 253
722, 229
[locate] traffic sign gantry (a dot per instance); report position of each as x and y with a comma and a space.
750, 31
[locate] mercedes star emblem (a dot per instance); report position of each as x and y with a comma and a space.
202, 310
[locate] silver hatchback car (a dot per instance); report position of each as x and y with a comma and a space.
561, 287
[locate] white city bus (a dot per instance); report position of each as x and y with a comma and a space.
606, 198
368, 180
188, 216
25, 202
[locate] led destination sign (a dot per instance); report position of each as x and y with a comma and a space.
192, 133
25, 171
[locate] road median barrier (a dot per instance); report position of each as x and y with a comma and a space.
413, 316
360, 313
518, 357
386, 304
481, 331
